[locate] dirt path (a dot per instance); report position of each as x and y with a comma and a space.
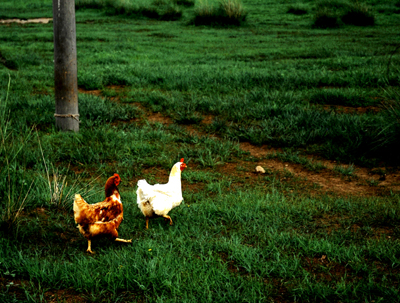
24, 21
363, 182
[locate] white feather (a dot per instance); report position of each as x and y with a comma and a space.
159, 199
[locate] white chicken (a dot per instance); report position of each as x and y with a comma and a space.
159, 199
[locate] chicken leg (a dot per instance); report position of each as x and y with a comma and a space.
122, 240
166, 217
169, 218
89, 250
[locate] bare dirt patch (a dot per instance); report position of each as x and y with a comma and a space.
160, 175
207, 120
329, 180
364, 181
352, 110
154, 117
15, 288
94, 92
332, 182
257, 151
24, 21
232, 266
159, 118
325, 270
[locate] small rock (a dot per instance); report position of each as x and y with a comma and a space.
260, 170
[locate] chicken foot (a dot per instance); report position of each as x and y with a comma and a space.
89, 250
122, 240
166, 217
169, 218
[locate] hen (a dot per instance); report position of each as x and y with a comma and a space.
159, 199
102, 218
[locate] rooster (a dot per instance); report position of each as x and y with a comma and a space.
102, 218
159, 199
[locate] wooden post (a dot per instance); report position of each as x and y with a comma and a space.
65, 66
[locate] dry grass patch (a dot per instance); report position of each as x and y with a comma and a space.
227, 12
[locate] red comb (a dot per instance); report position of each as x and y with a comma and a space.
117, 179
182, 160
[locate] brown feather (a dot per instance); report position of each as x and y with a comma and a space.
111, 185
104, 211
110, 228
101, 218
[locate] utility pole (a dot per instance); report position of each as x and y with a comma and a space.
65, 65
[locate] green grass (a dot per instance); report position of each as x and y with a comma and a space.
346, 171
274, 81
344, 97
156, 9
265, 245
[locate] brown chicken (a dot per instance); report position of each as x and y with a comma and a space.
102, 218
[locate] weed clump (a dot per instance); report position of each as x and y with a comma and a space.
325, 18
170, 13
334, 13
188, 118
358, 14
187, 3
387, 141
228, 12
14, 184
335, 97
94, 4
296, 10
165, 10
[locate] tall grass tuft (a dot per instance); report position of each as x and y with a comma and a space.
13, 180
340, 97
358, 14
94, 4
297, 9
186, 3
204, 11
227, 12
233, 9
166, 10
333, 13
325, 18
60, 194
387, 140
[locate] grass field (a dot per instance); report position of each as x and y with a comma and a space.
318, 107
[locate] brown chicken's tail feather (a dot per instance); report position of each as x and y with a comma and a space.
79, 204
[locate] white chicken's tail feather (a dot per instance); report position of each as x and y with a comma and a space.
142, 183
143, 191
